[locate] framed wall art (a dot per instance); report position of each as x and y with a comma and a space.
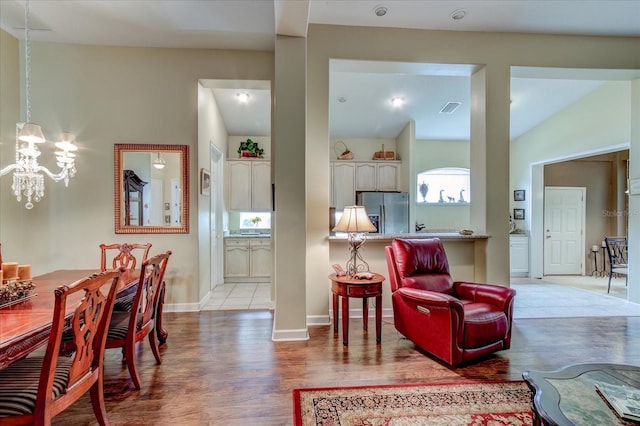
205, 182
518, 214
518, 195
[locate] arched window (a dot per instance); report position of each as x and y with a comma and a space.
447, 185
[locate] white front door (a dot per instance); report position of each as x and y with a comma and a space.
564, 210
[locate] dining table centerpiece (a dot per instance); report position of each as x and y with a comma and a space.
16, 291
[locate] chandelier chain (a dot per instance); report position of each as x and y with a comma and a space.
27, 41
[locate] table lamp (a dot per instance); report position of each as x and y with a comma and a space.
355, 222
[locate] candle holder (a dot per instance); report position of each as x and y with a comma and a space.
595, 272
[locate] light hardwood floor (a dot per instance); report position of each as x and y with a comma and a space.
222, 368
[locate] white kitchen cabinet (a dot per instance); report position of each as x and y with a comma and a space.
261, 186
260, 257
236, 257
365, 177
343, 184
249, 185
519, 255
247, 259
387, 175
377, 176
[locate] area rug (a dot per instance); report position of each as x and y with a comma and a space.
493, 403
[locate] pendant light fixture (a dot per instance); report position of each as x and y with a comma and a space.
28, 174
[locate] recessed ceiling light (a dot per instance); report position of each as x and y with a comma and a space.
243, 97
458, 14
380, 10
397, 102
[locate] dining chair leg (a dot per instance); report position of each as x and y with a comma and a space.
153, 341
97, 402
609, 286
131, 365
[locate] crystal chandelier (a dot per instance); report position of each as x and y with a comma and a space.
28, 178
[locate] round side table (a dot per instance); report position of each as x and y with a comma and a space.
347, 287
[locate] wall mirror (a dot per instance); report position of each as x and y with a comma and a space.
151, 189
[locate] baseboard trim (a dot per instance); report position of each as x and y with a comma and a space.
181, 307
289, 335
318, 320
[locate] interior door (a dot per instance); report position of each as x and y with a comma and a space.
564, 210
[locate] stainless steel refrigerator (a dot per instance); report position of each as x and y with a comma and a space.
389, 211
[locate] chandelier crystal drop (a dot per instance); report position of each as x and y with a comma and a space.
28, 174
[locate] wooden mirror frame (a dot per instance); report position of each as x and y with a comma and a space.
120, 227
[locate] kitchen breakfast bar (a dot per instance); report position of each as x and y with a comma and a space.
466, 255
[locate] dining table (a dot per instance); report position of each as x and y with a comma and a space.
25, 326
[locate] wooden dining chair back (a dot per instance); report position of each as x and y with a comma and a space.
128, 328
617, 255
37, 388
126, 255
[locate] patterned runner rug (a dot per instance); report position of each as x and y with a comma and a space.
493, 403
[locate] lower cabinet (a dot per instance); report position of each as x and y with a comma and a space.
519, 254
247, 258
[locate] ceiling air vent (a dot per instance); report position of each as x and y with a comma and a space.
450, 107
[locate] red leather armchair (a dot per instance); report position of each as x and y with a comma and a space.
452, 320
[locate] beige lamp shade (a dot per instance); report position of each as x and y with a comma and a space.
354, 219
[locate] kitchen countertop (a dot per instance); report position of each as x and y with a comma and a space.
444, 236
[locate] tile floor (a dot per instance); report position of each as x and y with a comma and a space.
237, 296
551, 297
566, 296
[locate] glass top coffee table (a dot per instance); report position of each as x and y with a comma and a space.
568, 396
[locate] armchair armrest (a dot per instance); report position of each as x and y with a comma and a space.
430, 298
485, 293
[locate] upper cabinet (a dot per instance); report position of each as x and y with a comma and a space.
377, 175
249, 185
343, 184
347, 177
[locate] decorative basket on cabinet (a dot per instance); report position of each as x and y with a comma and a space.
342, 152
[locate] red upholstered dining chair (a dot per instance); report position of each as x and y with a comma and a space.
128, 328
37, 388
454, 321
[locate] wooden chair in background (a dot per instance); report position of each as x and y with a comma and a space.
35, 389
128, 256
128, 328
617, 254
123, 255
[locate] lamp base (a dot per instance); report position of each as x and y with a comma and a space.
356, 264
